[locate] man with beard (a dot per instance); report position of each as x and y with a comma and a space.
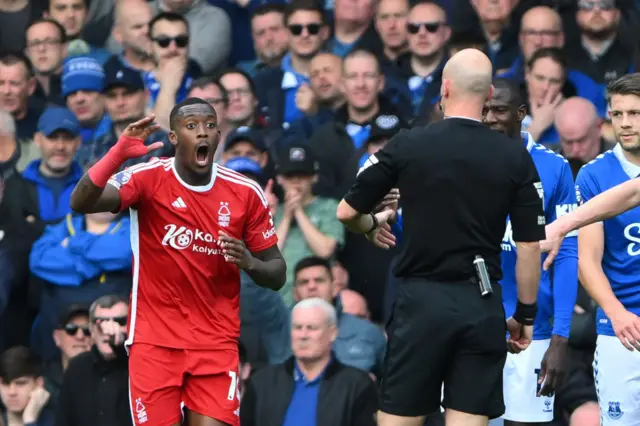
131, 31
125, 101
608, 255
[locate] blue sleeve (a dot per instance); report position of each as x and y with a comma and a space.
397, 229
107, 252
52, 262
265, 310
565, 269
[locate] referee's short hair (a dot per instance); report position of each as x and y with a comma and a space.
311, 261
316, 302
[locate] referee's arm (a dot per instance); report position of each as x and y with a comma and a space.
528, 222
375, 179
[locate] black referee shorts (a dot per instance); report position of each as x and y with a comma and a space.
444, 332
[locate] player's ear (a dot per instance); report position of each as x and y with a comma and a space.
173, 138
522, 112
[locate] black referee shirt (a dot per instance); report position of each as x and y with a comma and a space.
458, 181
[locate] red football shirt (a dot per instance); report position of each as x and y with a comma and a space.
185, 295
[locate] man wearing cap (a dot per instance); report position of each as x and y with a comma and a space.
55, 174
72, 336
82, 85
126, 100
306, 225
245, 142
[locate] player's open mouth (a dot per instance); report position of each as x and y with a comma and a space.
202, 155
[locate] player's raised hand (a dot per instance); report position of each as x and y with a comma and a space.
626, 325
234, 250
131, 143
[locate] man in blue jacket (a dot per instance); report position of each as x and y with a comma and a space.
55, 174
77, 261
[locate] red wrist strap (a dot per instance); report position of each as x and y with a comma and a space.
107, 166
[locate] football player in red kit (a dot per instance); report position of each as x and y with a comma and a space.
194, 225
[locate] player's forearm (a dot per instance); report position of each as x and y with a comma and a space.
528, 266
565, 287
320, 244
87, 197
359, 224
269, 273
606, 205
597, 285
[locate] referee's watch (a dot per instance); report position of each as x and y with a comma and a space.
375, 223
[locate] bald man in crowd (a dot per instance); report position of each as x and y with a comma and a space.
448, 324
130, 35
578, 125
354, 304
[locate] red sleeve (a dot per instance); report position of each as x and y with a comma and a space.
131, 184
259, 231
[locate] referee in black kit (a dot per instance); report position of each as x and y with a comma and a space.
459, 180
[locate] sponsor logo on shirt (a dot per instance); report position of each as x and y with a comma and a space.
563, 209
182, 238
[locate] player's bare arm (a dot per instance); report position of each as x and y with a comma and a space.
266, 268
92, 194
606, 205
625, 324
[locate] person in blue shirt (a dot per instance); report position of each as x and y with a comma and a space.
55, 174
530, 377
609, 248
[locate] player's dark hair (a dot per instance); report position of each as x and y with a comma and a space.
59, 27
311, 261
175, 111
628, 84
516, 98
304, 5
361, 52
18, 362
12, 58
265, 9
205, 81
552, 53
167, 16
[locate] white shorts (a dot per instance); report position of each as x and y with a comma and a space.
616, 372
520, 385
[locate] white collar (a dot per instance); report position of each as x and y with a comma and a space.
289, 81
629, 168
464, 118
527, 137
203, 188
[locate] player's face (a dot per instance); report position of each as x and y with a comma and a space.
499, 114
196, 137
311, 335
75, 337
15, 395
315, 281
625, 119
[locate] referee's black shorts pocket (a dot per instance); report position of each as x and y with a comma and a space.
420, 337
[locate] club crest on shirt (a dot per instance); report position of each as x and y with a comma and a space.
224, 214
578, 195
121, 178
614, 412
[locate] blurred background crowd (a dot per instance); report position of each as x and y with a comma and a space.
304, 91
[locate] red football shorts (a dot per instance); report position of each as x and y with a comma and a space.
161, 379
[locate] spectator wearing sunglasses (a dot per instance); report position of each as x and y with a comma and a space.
72, 337
421, 67
283, 91
95, 387
169, 82
209, 28
77, 261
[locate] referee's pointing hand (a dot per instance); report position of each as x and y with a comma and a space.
381, 236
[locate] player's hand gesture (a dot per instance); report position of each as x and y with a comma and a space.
626, 325
131, 143
520, 336
552, 244
389, 202
382, 236
552, 369
234, 251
